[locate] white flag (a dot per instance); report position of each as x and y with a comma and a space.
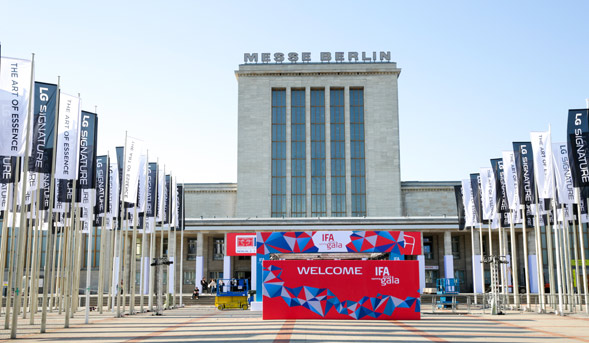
4, 187
562, 173
142, 183
543, 171
467, 201
161, 181
66, 160
510, 179
113, 194
488, 192
133, 152
15, 84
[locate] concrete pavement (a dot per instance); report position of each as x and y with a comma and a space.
207, 324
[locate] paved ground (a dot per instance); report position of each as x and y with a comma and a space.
206, 324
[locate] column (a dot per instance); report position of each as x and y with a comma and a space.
448, 256
477, 266
532, 262
348, 152
421, 261
288, 154
199, 261
226, 264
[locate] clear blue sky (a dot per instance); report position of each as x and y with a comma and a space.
476, 75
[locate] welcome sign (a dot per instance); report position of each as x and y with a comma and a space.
322, 289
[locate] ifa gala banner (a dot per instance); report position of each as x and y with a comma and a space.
323, 289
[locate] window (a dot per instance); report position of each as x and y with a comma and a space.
318, 200
218, 249
278, 153
456, 247
338, 153
298, 154
428, 247
138, 249
357, 152
243, 258
189, 277
165, 246
431, 277
191, 250
95, 248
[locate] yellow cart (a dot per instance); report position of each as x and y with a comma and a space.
232, 293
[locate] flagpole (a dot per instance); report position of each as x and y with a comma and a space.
567, 259
133, 262
549, 248
539, 257
27, 260
89, 260
514, 264
558, 256
482, 264
152, 240
526, 264
103, 254
582, 248
37, 263
11, 271
576, 259
70, 251
143, 243
22, 234
5, 233
123, 216
181, 224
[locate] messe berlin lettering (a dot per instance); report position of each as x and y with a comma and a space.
339, 56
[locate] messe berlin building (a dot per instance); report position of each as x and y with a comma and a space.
318, 150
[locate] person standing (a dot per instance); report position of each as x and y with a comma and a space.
204, 284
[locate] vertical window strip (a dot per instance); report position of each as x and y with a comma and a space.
298, 154
318, 186
357, 152
278, 205
338, 153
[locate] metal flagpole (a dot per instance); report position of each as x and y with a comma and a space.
152, 269
181, 225
583, 263
89, 260
514, 270
77, 265
558, 256
526, 264
27, 259
68, 259
576, 259
143, 243
482, 264
539, 258
162, 234
13, 233
474, 279
549, 248
567, 260
133, 262
4, 237
103, 254
22, 230
123, 215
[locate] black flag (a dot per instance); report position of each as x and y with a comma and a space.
459, 207
524, 164
45, 98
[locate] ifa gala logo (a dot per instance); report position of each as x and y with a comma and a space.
329, 241
384, 276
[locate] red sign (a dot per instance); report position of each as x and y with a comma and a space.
324, 289
241, 244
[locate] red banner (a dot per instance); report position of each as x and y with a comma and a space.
324, 289
241, 244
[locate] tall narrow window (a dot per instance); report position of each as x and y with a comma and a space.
278, 153
357, 152
318, 202
298, 154
338, 154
